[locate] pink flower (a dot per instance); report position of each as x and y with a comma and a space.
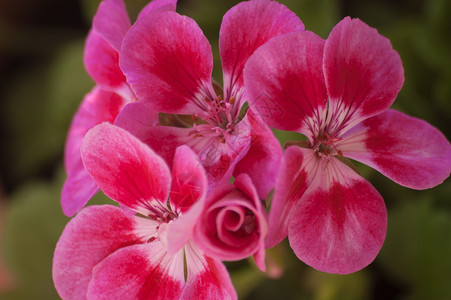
233, 223
104, 253
168, 62
104, 102
337, 93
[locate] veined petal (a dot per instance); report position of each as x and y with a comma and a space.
296, 172
262, 161
339, 224
168, 62
407, 150
207, 278
138, 272
111, 22
363, 73
244, 28
95, 233
101, 61
158, 5
98, 106
187, 197
125, 169
285, 84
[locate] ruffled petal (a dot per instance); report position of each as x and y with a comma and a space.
407, 150
339, 224
138, 272
285, 84
102, 63
95, 233
111, 22
244, 28
168, 62
207, 278
98, 106
158, 5
363, 73
262, 161
294, 177
125, 169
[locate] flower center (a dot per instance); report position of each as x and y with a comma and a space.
218, 120
325, 145
161, 213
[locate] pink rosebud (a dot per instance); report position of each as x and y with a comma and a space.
233, 223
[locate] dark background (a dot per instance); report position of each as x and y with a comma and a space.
42, 81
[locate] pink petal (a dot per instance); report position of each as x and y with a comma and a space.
156, 6
168, 62
262, 161
138, 272
363, 73
339, 225
407, 150
233, 224
285, 84
207, 278
244, 28
219, 157
125, 169
290, 186
95, 233
98, 106
102, 62
187, 197
189, 182
141, 120
111, 22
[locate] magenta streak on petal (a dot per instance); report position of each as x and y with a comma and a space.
340, 223
244, 28
138, 272
127, 170
288, 93
407, 150
87, 239
207, 277
363, 73
168, 62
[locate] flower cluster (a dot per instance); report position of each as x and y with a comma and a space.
191, 164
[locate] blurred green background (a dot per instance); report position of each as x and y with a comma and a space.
42, 81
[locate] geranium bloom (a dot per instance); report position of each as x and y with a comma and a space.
337, 93
168, 62
104, 253
103, 103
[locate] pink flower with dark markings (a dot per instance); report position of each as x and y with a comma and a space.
233, 224
104, 102
337, 93
104, 253
168, 62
